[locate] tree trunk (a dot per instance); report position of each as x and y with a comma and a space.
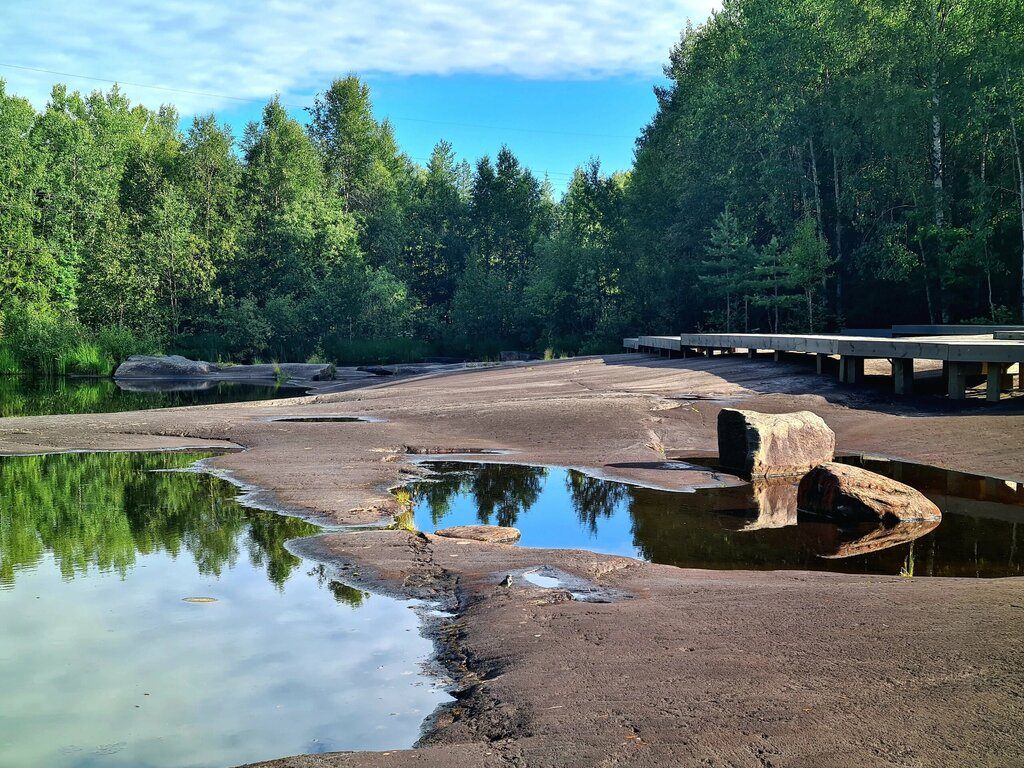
817, 188
938, 190
1020, 201
839, 234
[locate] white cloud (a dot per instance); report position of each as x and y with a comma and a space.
253, 48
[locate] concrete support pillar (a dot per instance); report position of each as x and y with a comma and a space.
956, 378
903, 375
684, 352
851, 369
994, 382
776, 355
751, 354
819, 362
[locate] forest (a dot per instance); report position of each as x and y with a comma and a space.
812, 164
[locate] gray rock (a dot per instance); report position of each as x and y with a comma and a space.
163, 367
767, 444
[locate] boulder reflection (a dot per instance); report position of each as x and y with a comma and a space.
756, 526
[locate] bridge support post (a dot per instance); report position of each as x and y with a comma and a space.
776, 356
903, 375
819, 362
751, 354
956, 374
993, 382
851, 369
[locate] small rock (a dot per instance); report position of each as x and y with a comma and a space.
492, 534
767, 444
842, 491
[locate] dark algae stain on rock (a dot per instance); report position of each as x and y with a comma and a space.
756, 526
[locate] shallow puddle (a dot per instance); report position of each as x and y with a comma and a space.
749, 527
320, 419
148, 619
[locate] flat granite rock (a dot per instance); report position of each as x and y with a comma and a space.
846, 492
773, 444
163, 366
492, 534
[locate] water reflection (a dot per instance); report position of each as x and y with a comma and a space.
27, 396
104, 511
106, 663
755, 526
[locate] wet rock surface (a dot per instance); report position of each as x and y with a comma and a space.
492, 534
768, 444
846, 492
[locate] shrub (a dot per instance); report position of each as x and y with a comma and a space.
88, 359
380, 351
9, 365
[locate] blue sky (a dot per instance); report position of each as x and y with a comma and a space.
559, 81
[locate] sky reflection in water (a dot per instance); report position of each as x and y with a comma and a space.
726, 528
104, 663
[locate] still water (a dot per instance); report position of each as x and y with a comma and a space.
27, 396
148, 619
749, 527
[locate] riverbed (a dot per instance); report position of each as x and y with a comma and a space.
685, 664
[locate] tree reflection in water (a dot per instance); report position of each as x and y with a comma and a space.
753, 526
103, 510
593, 498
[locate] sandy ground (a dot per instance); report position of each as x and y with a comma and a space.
683, 667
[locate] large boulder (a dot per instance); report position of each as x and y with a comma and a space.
773, 444
163, 367
492, 534
852, 493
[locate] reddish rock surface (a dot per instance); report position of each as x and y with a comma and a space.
492, 534
770, 444
839, 490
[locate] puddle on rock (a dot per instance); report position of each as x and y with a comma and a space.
316, 419
746, 527
148, 619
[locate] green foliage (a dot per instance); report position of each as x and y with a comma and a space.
808, 163
377, 350
9, 365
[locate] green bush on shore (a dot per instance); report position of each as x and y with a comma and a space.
41, 344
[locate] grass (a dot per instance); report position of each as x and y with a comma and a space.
9, 365
87, 359
907, 570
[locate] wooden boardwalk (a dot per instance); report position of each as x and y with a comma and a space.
961, 356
